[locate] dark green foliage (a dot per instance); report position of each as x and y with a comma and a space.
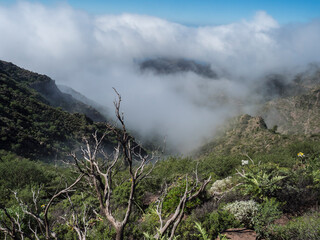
282, 158
274, 129
212, 222
297, 192
220, 166
219, 221
279, 181
174, 194
21, 174
50, 94
310, 148
306, 227
263, 181
22, 75
33, 129
267, 213
173, 167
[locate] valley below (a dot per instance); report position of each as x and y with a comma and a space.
72, 169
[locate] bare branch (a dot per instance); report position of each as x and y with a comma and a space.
34, 231
15, 228
176, 218
101, 173
65, 190
43, 223
81, 227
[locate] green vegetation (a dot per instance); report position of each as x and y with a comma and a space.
260, 176
295, 192
304, 227
33, 129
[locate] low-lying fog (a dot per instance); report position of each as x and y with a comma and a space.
92, 54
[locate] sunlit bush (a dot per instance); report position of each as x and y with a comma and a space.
244, 211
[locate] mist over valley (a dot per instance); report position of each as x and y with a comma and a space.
177, 81
162, 119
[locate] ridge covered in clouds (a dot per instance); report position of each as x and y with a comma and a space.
92, 54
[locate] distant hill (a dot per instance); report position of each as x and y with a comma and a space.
240, 135
165, 66
49, 91
31, 126
295, 115
297, 109
273, 86
83, 99
292, 114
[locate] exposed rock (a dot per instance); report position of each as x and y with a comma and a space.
243, 134
295, 115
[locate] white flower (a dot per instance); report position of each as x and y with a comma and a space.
244, 162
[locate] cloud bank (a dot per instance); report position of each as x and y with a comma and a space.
92, 54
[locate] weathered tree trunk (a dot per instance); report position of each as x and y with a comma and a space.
101, 176
120, 231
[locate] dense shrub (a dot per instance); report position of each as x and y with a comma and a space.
297, 192
174, 194
243, 211
267, 213
261, 181
306, 227
221, 166
218, 221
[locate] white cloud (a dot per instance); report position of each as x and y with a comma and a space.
92, 54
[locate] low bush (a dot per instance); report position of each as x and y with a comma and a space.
243, 211
306, 227
219, 221
267, 213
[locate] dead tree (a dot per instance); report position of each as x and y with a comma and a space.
100, 175
12, 227
43, 225
173, 221
79, 220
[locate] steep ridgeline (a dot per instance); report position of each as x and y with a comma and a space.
273, 86
32, 128
290, 107
83, 99
298, 111
295, 115
243, 134
49, 91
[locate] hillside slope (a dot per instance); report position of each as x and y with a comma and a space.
243, 134
49, 91
31, 128
295, 115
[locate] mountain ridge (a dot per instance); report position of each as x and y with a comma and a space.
31, 127
49, 91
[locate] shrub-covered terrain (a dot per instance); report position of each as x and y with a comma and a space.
32, 128
253, 177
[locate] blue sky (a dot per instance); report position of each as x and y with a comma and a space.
94, 54
204, 12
